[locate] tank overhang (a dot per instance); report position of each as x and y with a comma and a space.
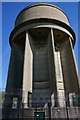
49, 21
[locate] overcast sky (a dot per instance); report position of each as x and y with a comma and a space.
10, 10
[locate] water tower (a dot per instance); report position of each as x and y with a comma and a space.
42, 67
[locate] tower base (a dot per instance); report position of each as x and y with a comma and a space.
47, 113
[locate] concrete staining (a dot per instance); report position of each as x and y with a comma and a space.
42, 66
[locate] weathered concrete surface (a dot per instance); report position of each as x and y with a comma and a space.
27, 71
73, 113
38, 11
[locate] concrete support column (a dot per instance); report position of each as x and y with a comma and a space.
59, 80
59, 76
27, 71
75, 95
74, 59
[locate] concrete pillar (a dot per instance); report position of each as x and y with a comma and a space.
74, 59
27, 72
59, 76
74, 99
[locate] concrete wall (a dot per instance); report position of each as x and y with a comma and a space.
41, 81
43, 11
56, 113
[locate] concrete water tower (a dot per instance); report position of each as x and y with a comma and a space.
42, 66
